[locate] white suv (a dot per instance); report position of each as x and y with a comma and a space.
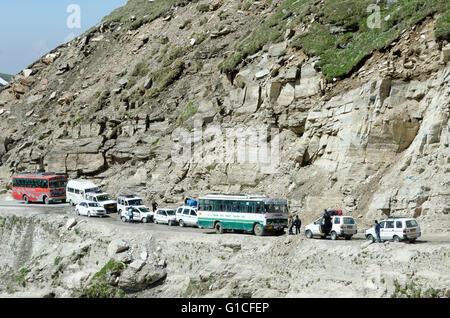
165, 216
90, 209
102, 198
139, 215
342, 226
396, 229
125, 201
187, 215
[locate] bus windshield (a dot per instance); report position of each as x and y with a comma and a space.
275, 208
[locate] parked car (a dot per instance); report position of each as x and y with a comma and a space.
104, 199
90, 209
165, 216
342, 226
396, 229
187, 216
139, 215
124, 201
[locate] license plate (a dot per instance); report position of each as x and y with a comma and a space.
413, 230
349, 227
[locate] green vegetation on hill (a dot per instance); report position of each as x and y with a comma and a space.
6, 77
339, 32
144, 11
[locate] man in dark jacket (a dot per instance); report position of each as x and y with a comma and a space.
298, 224
154, 206
377, 231
327, 221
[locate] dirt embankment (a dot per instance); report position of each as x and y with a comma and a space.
55, 254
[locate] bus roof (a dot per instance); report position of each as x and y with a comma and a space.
252, 197
39, 175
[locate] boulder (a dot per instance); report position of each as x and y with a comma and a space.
446, 53
287, 95
277, 49
309, 83
117, 246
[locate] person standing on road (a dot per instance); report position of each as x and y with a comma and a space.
298, 224
290, 225
130, 215
377, 231
154, 206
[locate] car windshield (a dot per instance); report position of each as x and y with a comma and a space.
103, 197
349, 221
144, 210
411, 223
135, 202
94, 205
275, 208
58, 183
170, 212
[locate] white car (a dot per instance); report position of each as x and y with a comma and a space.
90, 209
165, 216
124, 201
342, 226
139, 215
396, 229
187, 215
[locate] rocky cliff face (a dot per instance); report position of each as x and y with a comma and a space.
118, 104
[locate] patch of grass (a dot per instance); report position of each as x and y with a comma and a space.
342, 49
189, 111
140, 70
203, 7
166, 76
442, 30
99, 287
58, 260
174, 53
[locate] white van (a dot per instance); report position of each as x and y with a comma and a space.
126, 200
396, 229
342, 226
81, 190
187, 215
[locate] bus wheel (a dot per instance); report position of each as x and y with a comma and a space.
46, 201
258, 230
219, 228
25, 198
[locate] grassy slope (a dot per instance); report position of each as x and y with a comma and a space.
6, 77
340, 52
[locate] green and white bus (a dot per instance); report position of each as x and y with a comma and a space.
251, 212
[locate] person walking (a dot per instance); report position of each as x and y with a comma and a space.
377, 231
290, 225
298, 224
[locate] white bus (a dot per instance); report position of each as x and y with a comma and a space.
249, 212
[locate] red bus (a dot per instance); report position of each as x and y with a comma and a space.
39, 187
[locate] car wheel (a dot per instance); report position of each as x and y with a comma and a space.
78, 212
154, 221
181, 223
89, 214
46, 201
333, 236
396, 239
71, 203
25, 198
219, 228
124, 219
308, 234
370, 238
144, 220
258, 230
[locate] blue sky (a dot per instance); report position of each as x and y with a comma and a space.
31, 28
